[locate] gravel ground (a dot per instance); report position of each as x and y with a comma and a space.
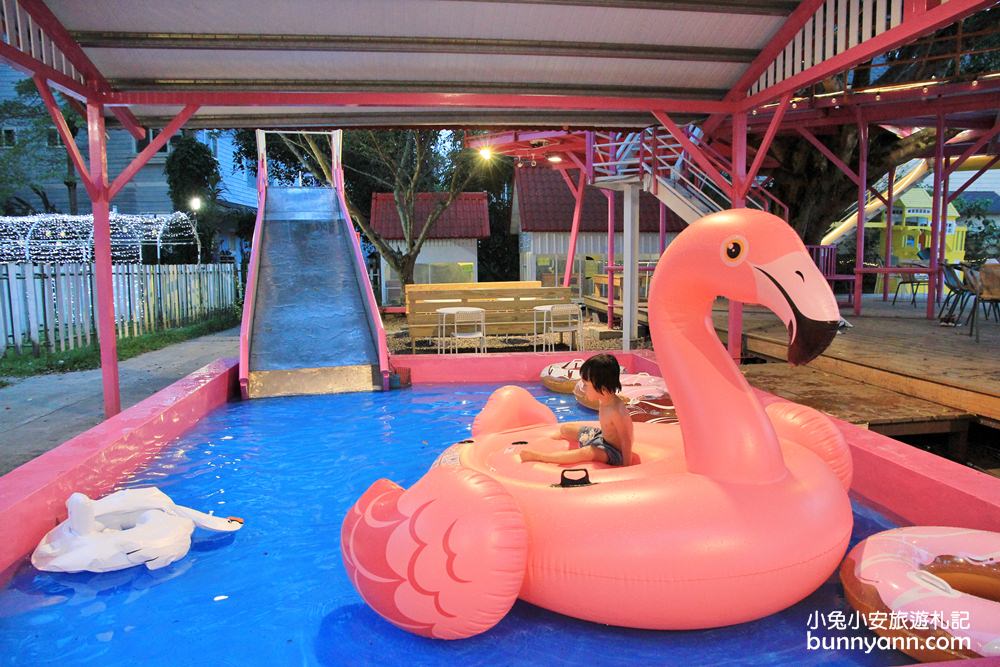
399, 339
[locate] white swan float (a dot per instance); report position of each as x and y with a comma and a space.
123, 529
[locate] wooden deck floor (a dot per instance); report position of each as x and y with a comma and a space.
895, 348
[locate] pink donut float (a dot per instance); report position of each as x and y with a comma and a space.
732, 514
948, 575
561, 377
635, 387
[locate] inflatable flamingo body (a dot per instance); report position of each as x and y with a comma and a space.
735, 513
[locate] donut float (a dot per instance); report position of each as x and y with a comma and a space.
948, 575
635, 387
561, 377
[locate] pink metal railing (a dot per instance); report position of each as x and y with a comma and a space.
250, 293
655, 152
364, 283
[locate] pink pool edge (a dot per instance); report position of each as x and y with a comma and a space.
33, 496
908, 484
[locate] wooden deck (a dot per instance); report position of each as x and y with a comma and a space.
892, 348
887, 412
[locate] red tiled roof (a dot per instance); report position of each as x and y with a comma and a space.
545, 204
467, 218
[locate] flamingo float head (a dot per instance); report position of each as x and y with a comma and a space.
756, 257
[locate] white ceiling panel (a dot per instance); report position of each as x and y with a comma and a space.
485, 20
200, 64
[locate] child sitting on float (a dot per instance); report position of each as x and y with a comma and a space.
612, 442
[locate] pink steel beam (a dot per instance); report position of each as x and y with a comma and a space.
859, 232
855, 178
939, 171
575, 231
734, 335
974, 148
986, 167
102, 259
158, 142
887, 260
473, 100
54, 30
694, 151
63, 129
31, 67
913, 26
792, 25
765, 144
611, 257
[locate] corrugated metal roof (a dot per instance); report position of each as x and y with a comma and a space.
545, 204
992, 197
467, 218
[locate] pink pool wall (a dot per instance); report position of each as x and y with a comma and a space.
33, 496
909, 484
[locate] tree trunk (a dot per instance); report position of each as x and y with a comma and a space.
816, 191
70, 183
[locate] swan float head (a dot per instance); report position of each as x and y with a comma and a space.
755, 257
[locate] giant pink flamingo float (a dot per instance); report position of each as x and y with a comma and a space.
735, 513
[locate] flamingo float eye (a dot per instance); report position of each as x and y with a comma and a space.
734, 250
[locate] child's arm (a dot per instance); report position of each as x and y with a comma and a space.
625, 429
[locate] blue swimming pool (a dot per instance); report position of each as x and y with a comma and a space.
275, 593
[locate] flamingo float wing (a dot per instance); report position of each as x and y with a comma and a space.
444, 559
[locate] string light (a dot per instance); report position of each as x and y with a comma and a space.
53, 237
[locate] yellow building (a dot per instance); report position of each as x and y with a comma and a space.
911, 228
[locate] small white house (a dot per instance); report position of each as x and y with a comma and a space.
542, 217
450, 252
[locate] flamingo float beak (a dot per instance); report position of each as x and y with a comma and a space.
805, 304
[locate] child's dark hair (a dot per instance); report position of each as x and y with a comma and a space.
602, 371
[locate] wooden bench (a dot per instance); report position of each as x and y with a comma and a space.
509, 306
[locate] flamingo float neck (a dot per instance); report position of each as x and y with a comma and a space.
727, 435
754, 257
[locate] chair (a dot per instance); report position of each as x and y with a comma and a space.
958, 295
985, 284
563, 318
469, 326
913, 280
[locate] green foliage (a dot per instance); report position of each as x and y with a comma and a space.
982, 240
498, 254
85, 358
30, 161
192, 171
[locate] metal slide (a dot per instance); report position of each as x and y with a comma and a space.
311, 331
907, 175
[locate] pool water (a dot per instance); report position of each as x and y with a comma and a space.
275, 593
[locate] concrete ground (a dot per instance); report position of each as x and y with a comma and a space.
41, 412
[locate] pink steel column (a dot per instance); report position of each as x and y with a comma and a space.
943, 240
939, 168
663, 225
102, 259
571, 251
735, 337
888, 231
610, 194
859, 258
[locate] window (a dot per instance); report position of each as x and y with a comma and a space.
52, 138
8, 138
140, 144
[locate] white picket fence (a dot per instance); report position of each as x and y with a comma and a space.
54, 305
